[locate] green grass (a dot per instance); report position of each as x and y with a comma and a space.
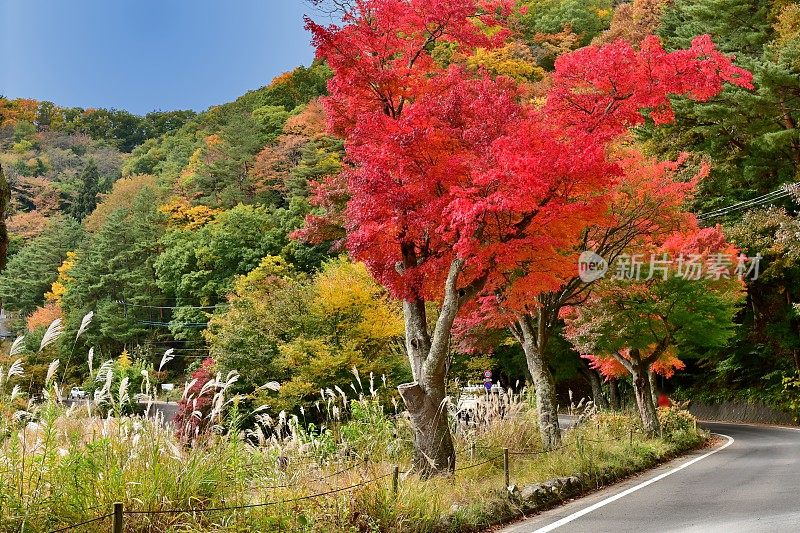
68, 467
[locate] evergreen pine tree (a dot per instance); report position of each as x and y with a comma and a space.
115, 275
750, 137
5, 201
89, 188
30, 273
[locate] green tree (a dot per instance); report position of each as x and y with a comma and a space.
31, 272
114, 276
771, 327
86, 200
198, 267
751, 137
5, 203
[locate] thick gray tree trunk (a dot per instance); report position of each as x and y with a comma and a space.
425, 397
533, 341
433, 445
644, 400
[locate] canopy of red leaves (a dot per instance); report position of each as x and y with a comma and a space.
666, 365
448, 164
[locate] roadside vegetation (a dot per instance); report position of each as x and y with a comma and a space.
313, 271
67, 465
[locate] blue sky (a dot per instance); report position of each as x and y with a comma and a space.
143, 55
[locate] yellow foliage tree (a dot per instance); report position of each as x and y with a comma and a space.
59, 286
309, 334
185, 215
122, 195
514, 60
201, 158
124, 360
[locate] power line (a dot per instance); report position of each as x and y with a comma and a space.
780, 193
766, 201
744, 203
200, 325
218, 306
784, 191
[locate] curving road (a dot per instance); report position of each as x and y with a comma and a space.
749, 482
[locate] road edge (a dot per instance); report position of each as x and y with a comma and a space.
602, 503
584, 490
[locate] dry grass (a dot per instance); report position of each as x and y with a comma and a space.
61, 466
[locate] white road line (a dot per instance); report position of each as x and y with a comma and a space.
602, 503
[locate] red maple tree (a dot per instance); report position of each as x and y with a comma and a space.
459, 186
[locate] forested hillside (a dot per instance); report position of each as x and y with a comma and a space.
218, 234
359, 297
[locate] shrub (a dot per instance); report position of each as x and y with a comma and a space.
675, 421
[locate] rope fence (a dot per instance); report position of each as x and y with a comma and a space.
119, 512
91, 521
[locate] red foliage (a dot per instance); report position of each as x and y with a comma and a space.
697, 241
189, 426
603, 90
446, 164
381, 55
666, 365
330, 196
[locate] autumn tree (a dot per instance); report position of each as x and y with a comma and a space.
638, 324
596, 92
121, 195
308, 334
461, 190
645, 205
633, 21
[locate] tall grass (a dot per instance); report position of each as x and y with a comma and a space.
64, 465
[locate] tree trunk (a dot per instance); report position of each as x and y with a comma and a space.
545, 389
651, 377
593, 378
614, 396
644, 400
433, 445
424, 398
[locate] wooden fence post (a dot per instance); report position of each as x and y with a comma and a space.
395, 479
506, 471
117, 528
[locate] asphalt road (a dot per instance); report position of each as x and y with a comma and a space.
167, 409
751, 483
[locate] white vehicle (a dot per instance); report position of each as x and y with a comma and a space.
77, 393
475, 398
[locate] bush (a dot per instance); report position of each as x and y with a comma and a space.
675, 421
